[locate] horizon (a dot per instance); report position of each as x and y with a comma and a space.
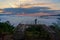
33, 11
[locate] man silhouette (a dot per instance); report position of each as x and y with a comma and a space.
35, 21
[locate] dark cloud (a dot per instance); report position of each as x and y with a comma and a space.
31, 10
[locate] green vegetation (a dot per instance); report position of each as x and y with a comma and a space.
39, 33
33, 32
6, 27
36, 32
55, 27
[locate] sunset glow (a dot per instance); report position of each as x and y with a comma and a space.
53, 4
36, 14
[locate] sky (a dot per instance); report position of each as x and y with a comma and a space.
53, 4
30, 10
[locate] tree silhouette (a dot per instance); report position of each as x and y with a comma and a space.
6, 27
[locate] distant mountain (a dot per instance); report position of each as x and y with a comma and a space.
31, 10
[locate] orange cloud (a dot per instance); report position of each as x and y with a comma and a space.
5, 6
25, 1
38, 4
50, 5
28, 4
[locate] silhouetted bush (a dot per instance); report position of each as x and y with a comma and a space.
6, 27
36, 32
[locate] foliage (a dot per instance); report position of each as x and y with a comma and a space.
55, 27
6, 27
37, 32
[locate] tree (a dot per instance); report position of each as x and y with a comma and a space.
37, 32
6, 27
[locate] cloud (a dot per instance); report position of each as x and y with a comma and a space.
48, 1
5, 6
25, 10
25, 1
53, 4
43, 1
36, 14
